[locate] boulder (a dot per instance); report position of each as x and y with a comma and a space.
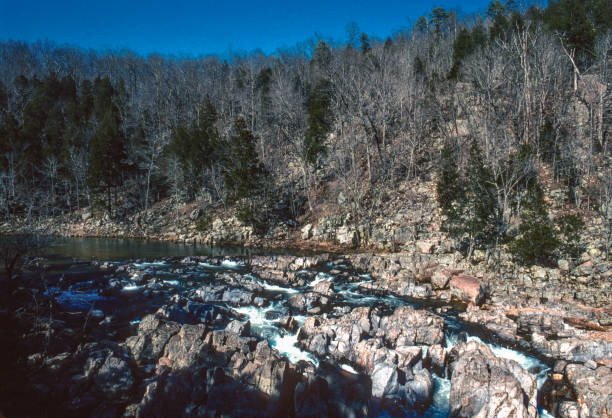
484, 385
242, 329
384, 380
408, 326
330, 391
435, 359
311, 303
494, 320
440, 279
341, 336
411, 388
593, 389
289, 323
153, 335
468, 289
186, 311
114, 378
425, 247
347, 236
306, 231
324, 287
195, 214
184, 348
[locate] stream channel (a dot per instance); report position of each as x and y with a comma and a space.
170, 270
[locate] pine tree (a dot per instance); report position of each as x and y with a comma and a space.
570, 226
245, 175
481, 219
469, 204
439, 19
197, 148
538, 239
107, 157
465, 44
450, 190
3, 99
319, 124
570, 18
365, 43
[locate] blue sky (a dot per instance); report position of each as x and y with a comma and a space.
205, 27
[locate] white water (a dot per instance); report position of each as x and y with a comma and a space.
439, 406
231, 264
210, 266
144, 265
321, 277
526, 362
275, 288
257, 316
284, 342
348, 368
75, 300
271, 287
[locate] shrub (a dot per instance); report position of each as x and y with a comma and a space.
569, 233
204, 223
538, 240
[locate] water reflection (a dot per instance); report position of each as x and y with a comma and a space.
86, 249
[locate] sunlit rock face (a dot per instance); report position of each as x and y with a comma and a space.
483, 385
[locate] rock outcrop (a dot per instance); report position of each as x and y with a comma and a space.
386, 347
483, 385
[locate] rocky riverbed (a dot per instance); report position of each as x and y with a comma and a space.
323, 335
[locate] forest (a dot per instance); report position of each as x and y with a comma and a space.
493, 107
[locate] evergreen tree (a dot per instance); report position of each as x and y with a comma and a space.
421, 26
570, 226
263, 82
86, 102
538, 239
570, 18
365, 43
481, 214
10, 132
450, 190
469, 203
245, 176
465, 44
3, 99
322, 56
102, 97
197, 148
319, 123
439, 19
107, 157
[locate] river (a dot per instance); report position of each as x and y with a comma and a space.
161, 262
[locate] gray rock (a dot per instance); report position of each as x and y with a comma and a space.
384, 380
329, 391
593, 389
440, 279
153, 334
436, 359
184, 348
114, 378
487, 386
325, 288
242, 329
